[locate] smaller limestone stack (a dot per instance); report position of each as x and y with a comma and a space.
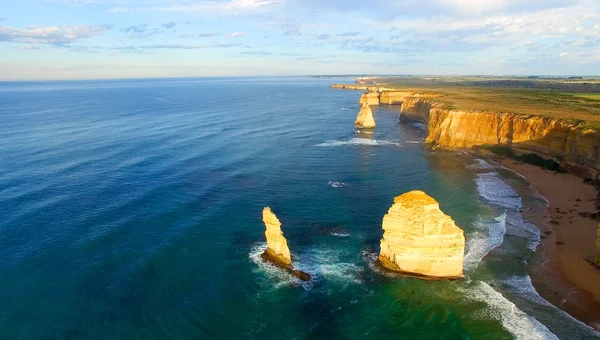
369, 98
277, 251
365, 118
419, 239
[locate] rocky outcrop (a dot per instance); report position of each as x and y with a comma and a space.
277, 251
573, 147
369, 98
393, 97
597, 259
365, 118
419, 239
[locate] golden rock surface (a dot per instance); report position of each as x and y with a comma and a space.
365, 117
277, 248
419, 239
369, 98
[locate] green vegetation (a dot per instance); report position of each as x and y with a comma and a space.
573, 99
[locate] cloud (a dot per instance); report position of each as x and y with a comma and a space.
348, 34
135, 29
200, 35
206, 6
236, 34
76, 2
29, 47
169, 24
142, 48
256, 53
54, 35
323, 36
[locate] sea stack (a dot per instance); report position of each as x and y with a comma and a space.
365, 118
420, 240
277, 251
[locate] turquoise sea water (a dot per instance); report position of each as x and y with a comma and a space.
132, 210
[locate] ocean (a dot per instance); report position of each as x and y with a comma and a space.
131, 209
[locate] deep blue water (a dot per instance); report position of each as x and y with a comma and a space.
132, 210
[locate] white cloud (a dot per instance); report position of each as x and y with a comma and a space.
236, 34
54, 35
227, 7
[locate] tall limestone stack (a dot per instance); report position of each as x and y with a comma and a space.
369, 98
419, 239
277, 251
365, 118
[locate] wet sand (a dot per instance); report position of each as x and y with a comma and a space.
559, 271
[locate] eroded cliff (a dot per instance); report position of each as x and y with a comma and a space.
420, 239
573, 147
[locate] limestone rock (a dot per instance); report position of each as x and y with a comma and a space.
277, 248
365, 118
277, 251
370, 98
419, 239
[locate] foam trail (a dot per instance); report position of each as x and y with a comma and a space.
480, 164
281, 277
326, 264
358, 141
414, 141
488, 236
518, 323
496, 191
336, 184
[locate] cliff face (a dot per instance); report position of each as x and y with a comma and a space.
597, 259
420, 239
574, 148
277, 248
365, 118
393, 97
369, 98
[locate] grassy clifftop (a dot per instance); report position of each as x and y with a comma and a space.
574, 99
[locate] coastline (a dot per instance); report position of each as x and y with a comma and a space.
559, 271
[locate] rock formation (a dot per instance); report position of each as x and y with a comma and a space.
277, 251
597, 259
419, 239
369, 98
365, 118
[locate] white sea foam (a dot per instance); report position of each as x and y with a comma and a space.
524, 288
419, 125
358, 141
336, 184
414, 141
521, 325
278, 276
340, 234
488, 236
345, 109
480, 164
496, 191
320, 264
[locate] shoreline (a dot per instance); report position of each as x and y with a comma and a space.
559, 270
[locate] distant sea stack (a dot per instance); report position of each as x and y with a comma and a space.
365, 118
419, 239
369, 98
277, 251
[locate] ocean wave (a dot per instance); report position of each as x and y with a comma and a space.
517, 322
336, 184
496, 191
358, 141
321, 264
414, 141
480, 164
488, 236
522, 286
419, 125
278, 276
340, 234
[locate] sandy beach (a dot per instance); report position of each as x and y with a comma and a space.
560, 271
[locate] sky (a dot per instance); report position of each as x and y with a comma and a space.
99, 39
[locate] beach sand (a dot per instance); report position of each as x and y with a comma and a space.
559, 271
